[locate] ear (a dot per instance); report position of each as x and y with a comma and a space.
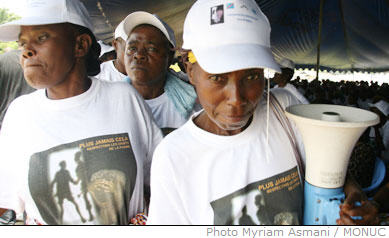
83, 44
189, 68
115, 44
170, 57
118, 44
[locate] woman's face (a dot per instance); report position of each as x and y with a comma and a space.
146, 58
48, 54
228, 99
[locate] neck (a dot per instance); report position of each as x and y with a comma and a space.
150, 90
73, 84
120, 67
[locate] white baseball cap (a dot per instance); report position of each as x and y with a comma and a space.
228, 35
43, 12
104, 48
119, 32
287, 63
138, 18
382, 106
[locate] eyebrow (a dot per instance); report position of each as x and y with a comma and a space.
35, 28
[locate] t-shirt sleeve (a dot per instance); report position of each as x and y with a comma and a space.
154, 138
166, 205
11, 169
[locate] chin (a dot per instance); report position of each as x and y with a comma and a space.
35, 82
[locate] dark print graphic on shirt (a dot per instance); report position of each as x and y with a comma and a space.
167, 130
273, 201
90, 181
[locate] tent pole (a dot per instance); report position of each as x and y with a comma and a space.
319, 38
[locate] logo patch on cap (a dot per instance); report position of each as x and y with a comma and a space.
217, 14
230, 5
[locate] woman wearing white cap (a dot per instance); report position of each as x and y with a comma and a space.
78, 150
150, 48
219, 168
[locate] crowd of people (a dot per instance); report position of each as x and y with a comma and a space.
130, 141
347, 93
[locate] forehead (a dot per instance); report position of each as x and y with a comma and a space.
60, 29
237, 72
147, 33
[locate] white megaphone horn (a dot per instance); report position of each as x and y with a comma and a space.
329, 133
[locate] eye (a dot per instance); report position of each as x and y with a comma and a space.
131, 49
21, 43
43, 37
151, 49
253, 77
216, 78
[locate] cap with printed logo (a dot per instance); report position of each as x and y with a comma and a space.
43, 12
227, 36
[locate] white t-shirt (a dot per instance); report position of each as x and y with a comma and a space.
201, 178
293, 90
108, 72
88, 155
165, 114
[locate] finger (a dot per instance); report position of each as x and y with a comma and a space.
344, 219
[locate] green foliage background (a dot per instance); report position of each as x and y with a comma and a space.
6, 16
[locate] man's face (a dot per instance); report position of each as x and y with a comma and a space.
229, 99
147, 55
120, 47
284, 77
47, 54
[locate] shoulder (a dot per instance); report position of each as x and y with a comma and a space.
107, 65
27, 100
119, 87
176, 142
284, 97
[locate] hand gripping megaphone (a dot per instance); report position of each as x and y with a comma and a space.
329, 133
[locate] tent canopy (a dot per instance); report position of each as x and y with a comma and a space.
354, 33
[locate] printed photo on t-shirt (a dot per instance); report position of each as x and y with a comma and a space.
276, 200
217, 14
89, 181
167, 130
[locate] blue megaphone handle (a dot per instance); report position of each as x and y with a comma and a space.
321, 205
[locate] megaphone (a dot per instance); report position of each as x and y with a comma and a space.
329, 133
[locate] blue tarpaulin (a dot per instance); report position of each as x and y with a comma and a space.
355, 33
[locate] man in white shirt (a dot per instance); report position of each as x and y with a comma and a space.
114, 70
75, 135
283, 80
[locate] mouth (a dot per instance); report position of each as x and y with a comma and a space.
141, 68
237, 118
32, 65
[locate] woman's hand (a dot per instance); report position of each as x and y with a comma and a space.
356, 209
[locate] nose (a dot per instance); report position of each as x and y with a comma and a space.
28, 51
235, 95
140, 54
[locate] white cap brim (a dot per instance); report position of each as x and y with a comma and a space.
10, 31
229, 58
139, 18
119, 32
